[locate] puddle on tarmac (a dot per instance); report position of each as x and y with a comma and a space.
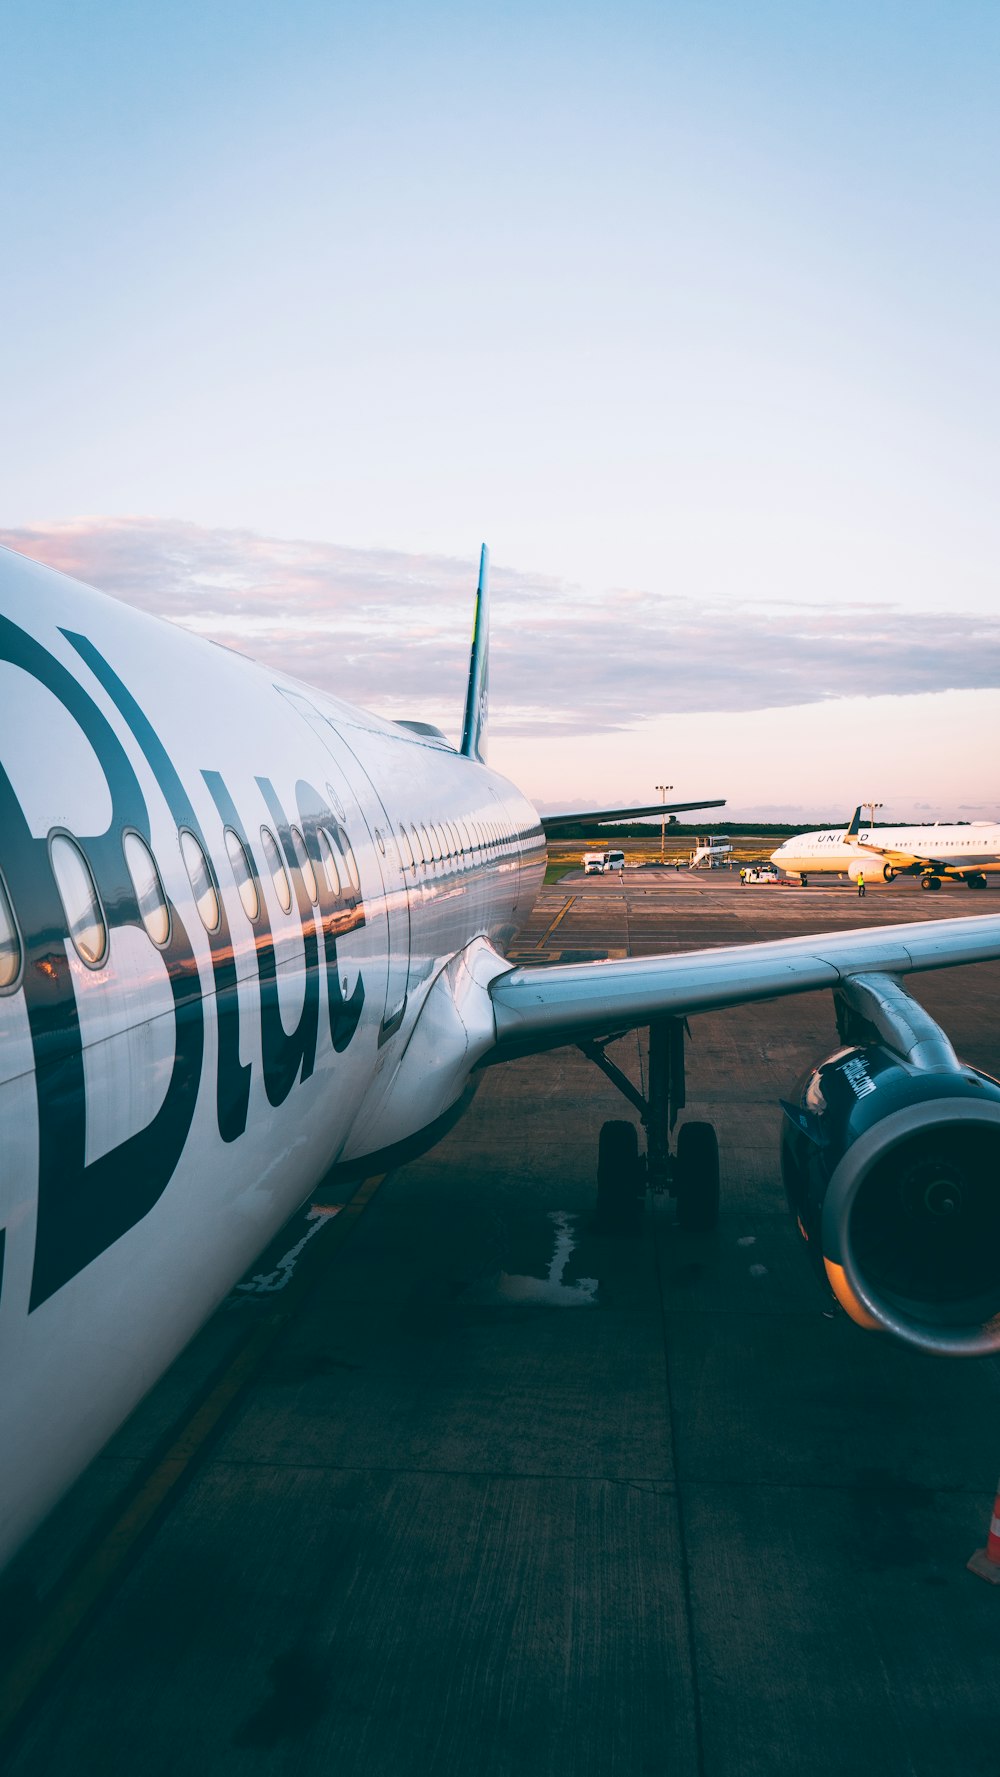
542, 1292
267, 1283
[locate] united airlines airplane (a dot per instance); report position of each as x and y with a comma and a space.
251, 936
964, 852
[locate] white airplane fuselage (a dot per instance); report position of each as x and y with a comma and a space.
167, 1107
252, 941
975, 846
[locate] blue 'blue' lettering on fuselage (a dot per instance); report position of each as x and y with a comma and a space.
83, 1209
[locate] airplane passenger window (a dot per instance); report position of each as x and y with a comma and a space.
453, 845
329, 858
200, 878
350, 863
436, 851
279, 876
78, 893
304, 863
148, 888
10, 943
349, 871
242, 874
336, 804
404, 846
464, 835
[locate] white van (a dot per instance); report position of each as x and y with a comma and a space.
614, 860
593, 863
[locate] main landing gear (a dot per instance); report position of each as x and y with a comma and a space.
690, 1174
974, 880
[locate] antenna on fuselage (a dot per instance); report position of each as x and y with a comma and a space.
478, 694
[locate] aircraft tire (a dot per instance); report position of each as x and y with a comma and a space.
696, 1178
621, 1183
930, 882
975, 882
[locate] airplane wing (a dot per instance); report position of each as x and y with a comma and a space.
553, 822
542, 1008
903, 860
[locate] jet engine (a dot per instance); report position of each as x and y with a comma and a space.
872, 869
891, 1164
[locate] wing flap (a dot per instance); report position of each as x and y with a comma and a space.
539, 1008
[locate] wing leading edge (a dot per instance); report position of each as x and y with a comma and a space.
537, 1009
553, 822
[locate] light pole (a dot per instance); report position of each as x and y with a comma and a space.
872, 806
663, 788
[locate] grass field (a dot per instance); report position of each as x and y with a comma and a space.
565, 854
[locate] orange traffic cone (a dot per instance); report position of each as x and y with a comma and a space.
986, 1562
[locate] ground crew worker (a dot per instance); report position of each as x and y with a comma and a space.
743, 879
861, 885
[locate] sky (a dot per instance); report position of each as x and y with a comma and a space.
689, 310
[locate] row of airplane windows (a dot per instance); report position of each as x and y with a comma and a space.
434, 843
85, 917
437, 841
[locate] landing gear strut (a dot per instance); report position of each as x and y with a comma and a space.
691, 1174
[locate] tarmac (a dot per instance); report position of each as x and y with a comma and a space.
489, 1493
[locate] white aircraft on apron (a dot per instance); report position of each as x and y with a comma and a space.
251, 936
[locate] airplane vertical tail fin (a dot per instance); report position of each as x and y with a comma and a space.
855, 826
477, 696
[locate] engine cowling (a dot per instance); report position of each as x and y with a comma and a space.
873, 870
892, 1173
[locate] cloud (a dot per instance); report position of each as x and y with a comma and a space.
391, 630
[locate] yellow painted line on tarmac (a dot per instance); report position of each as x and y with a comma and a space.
80, 1593
546, 935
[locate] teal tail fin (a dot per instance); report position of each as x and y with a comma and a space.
477, 697
855, 825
